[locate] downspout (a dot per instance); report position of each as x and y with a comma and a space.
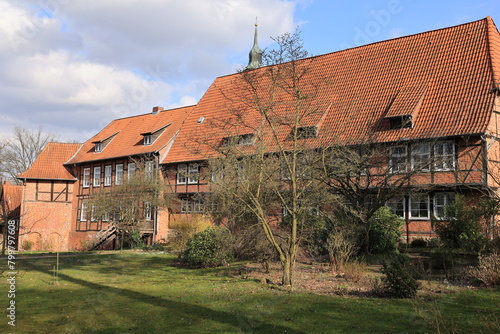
486, 169
155, 212
21, 218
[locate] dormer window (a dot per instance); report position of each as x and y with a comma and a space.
401, 122
100, 144
148, 138
306, 132
239, 140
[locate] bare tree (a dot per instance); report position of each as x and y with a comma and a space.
265, 163
131, 206
19, 151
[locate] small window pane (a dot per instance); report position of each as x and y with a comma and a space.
119, 174
97, 177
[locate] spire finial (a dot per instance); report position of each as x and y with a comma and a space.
255, 55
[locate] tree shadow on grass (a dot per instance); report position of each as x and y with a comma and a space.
239, 322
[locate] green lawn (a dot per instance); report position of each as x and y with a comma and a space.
144, 293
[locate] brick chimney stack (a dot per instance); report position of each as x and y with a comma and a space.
157, 110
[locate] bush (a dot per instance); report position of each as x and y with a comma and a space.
442, 259
461, 227
400, 278
385, 231
418, 243
27, 245
354, 271
184, 229
487, 271
435, 243
210, 248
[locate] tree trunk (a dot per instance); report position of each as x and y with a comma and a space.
288, 265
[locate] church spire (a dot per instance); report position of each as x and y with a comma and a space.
255, 55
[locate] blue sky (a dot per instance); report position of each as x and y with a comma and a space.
71, 66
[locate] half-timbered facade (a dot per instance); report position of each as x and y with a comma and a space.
432, 99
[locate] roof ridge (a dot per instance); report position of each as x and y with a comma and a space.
493, 40
375, 43
163, 111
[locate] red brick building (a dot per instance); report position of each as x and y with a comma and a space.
431, 96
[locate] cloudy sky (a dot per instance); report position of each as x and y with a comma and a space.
72, 66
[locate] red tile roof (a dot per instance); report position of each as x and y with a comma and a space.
442, 78
11, 198
49, 164
125, 136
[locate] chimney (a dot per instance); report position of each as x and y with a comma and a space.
156, 110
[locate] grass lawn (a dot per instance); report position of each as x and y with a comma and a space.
144, 293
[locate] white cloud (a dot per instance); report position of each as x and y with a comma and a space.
73, 66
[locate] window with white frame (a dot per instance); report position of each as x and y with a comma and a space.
441, 200
182, 174
190, 205
419, 207
93, 218
186, 205
131, 170
149, 168
119, 174
105, 217
398, 159
148, 212
397, 206
108, 170
241, 172
444, 156
98, 147
83, 212
188, 173
193, 173
217, 175
302, 167
148, 139
421, 157
86, 178
97, 177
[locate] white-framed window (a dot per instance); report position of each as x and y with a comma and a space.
241, 172
108, 170
149, 168
105, 217
86, 178
421, 157
131, 170
217, 175
444, 156
98, 147
397, 205
398, 159
118, 215
441, 200
419, 207
182, 174
147, 211
303, 169
193, 173
189, 205
83, 212
188, 173
119, 174
93, 218
239, 140
148, 139
97, 177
